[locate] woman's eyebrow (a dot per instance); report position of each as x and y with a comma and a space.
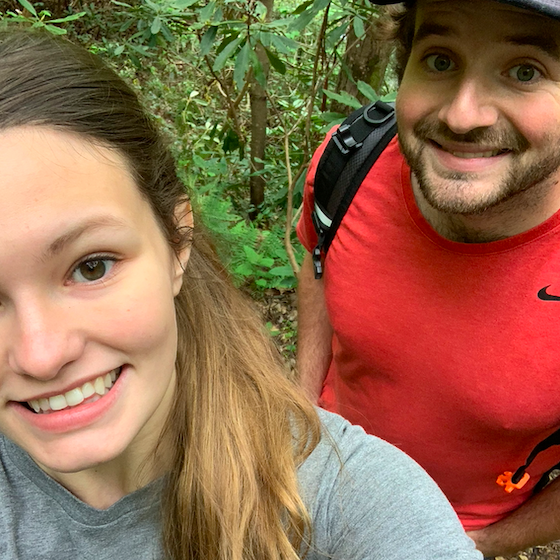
78, 230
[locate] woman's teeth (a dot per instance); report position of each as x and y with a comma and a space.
96, 389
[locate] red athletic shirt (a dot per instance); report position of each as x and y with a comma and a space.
443, 348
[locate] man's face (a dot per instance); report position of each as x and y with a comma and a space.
479, 104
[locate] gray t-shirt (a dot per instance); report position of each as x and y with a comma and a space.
367, 500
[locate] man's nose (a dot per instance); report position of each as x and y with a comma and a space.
469, 106
43, 340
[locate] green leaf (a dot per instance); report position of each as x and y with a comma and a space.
208, 40
197, 160
55, 30
302, 7
319, 5
244, 269
285, 271
242, 64
265, 38
302, 20
218, 15
258, 70
156, 25
334, 36
266, 262
153, 6
28, 6
166, 32
71, 17
275, 62
298, 187
284, 44
126, 25
343, 97
367, 91
123, 4
135, 60
390, 97
252, 256
359, 27
226, 53
207, 11
261, 282
180, 4
118, 50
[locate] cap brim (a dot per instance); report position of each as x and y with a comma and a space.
549, 8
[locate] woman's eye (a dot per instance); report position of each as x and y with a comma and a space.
92, 269
524, 73
439, 63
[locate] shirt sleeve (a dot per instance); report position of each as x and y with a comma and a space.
305, 229
369, 501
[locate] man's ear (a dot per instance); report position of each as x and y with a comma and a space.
185, 224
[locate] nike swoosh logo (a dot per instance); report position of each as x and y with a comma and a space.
545, 296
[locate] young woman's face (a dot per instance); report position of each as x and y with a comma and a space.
87, 322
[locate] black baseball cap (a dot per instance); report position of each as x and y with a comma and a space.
549, 8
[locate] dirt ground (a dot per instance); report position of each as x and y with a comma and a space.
280, 313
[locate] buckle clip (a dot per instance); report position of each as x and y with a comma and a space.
317, 264
509, 486
344, 140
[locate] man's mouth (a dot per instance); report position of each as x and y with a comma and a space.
89, 392
488, 153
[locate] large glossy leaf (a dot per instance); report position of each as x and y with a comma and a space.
71, 17
343, 97
367, 91
208, 40
275, 62
28, 6
156, 25
226, 53
359, 27
242, 64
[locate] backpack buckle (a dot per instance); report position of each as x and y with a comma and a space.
344, 140
317, 264
380, 112
506, 480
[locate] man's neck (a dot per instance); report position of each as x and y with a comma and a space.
522, 212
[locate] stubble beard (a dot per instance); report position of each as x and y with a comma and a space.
456, 192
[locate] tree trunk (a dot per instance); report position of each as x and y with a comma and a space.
365, 59
258, 127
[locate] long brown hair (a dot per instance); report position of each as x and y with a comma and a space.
239, 428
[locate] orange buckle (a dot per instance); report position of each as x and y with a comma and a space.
505, 481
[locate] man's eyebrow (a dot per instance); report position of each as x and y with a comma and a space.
78, 230
426, 29
542, 42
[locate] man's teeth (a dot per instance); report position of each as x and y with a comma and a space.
74, 397
472, 155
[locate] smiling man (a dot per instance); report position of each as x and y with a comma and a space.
437, 321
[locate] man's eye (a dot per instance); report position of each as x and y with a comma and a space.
524, 73
439, 63
92, 269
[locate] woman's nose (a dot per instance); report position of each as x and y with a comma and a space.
43, 340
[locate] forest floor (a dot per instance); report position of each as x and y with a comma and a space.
279, 312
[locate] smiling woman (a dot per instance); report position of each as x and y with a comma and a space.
143, 411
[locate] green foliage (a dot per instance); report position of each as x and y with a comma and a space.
32, 17
192, 61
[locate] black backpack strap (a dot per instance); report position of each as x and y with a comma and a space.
511, 481
347, 159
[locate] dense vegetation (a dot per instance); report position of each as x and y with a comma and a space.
246, 89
